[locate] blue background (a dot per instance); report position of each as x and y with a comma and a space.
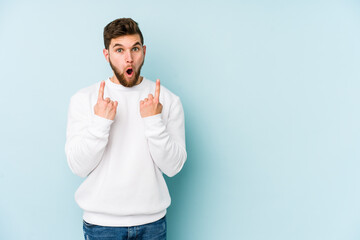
271, 96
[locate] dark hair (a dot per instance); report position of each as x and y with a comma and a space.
121, 27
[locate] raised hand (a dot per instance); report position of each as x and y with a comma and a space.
151, 106
105, 107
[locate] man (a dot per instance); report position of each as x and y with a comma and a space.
122, 138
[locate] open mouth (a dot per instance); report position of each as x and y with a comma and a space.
129, 72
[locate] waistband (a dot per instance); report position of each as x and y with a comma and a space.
121, 221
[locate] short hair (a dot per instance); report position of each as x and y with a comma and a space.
121, 27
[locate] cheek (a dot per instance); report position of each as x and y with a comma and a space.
139, 59
117, 61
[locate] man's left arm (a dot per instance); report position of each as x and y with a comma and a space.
166, 142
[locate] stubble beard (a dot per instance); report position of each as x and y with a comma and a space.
121, 76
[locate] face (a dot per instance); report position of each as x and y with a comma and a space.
126, 56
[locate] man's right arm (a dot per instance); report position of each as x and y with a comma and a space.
87, 132
86, 136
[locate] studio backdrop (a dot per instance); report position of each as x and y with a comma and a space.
270, 91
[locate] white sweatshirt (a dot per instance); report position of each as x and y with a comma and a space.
123, 160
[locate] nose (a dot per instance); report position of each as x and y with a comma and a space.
128, 57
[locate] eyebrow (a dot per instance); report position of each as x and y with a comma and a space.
120, 45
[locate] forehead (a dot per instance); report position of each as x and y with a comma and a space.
126, 40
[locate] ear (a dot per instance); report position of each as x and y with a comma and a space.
106, 54
144, 49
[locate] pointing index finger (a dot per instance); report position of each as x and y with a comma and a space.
157, 90
101, 91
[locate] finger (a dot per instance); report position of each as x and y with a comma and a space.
157, 90
145, 100
110, 105
115, 104
141, 102
101, 91
150, 96
107, 100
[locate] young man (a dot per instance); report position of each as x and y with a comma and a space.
122, 135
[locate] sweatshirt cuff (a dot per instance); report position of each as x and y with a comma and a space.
152, 119
153, 125
100, 126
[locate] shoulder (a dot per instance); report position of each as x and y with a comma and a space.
86, 93
165, 94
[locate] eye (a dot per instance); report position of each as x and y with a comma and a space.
119, 50
135, 49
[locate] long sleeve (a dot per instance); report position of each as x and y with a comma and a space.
86, 137
167, 141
